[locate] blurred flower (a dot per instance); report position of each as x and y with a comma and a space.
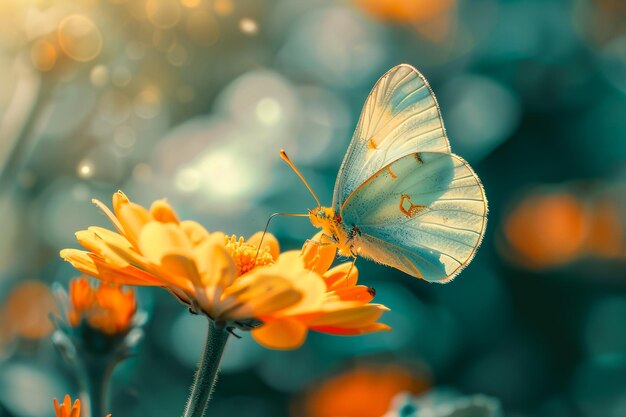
554, 226
440, 403
406, 11
363, 392
236, 283
433, 19
98, 329
107, 307
67, 409
546, 230
27, 308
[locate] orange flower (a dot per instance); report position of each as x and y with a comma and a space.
406, 11
363, 392
67, 409
234, 282
342, 308
107, 307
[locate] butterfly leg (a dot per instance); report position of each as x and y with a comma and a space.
351, 266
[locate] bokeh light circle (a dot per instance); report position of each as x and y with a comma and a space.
79, 38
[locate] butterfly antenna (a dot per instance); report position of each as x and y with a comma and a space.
285, 158
267, 225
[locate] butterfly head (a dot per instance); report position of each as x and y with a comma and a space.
322, 216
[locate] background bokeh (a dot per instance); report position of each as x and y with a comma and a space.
192, 99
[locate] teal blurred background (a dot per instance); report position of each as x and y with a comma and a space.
192, 100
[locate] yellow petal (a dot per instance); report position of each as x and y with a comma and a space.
259, 295
131, 216
175, 265
269, 241
109, 214
338, 277
162, 212
287, 333
318, 256
218, 268
159, 239
290, 266
195, 232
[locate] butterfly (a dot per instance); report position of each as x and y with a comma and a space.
401, 197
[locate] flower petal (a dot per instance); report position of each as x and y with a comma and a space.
337, 277
131, 216
286, 333
162, 212
349, 317
159, 239
269, 241
343, 331
195, 232
259, 295
318, 256
94, 265
359, 293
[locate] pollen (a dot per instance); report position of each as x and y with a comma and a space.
245, 255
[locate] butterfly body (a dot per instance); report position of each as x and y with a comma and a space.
401, 197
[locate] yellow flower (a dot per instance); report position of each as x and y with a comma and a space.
67, 409
107, 307
234, 282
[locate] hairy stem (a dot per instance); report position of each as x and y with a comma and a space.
206, 375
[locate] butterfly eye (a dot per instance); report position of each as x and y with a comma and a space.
321, 214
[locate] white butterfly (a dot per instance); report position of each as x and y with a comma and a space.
401, 197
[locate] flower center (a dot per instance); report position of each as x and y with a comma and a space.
245, 255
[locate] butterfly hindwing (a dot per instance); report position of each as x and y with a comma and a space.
424, 214
399, 117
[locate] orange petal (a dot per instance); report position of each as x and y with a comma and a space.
286, 333
131, 216
318, 256
119, 245
57, 408
269, 241
94, 265
360, 293
342, 331
93, 243
338, 277
75, 409
162, 212
350, 317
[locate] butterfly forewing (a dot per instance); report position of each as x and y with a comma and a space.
400, 116
423, 214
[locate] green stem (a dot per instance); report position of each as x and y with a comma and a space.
95, 386
206, 375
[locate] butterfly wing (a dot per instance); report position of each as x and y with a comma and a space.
399, 117
424, 214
